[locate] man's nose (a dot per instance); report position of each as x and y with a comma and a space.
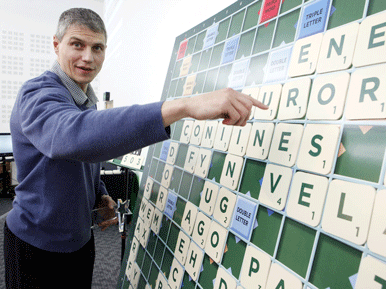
87, 55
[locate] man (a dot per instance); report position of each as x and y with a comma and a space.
59, 139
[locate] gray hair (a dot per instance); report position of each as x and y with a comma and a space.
80, 16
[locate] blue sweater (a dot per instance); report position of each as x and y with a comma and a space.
57, 149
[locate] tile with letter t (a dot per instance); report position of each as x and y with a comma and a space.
239, 140
198, 130
210, 130
276, 183
224, 280
318, 148
148, 188
328, 95
231, 171
203, 163
186, 131
189, 218
348, 210
223, 136
194, 261
372, 274
281, 278
371, 43
269, 95
260, 140
191, 159
215, 242
254, 93
377, 233
176, 274
201, 229
161, 282
306, 198
366, 95
172, 154
167, 176
225, 204
209, 197
182, 247
285, 144
256, 265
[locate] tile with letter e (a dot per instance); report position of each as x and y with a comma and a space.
216, 241
203, 162
276, 183
224, 206
186, 131
372, 274
167, 176
197, 132
224, 280
254, 93
223, 136
328, 95
176, 274
161, 282
285, 144
305, 56
280, 278
260, 140
162, 198
244, 217
148, 217
209, 197
318, 148
377, 234
201, 229
191, 159
294, 99
231, 171
182, 247
348, 210
189, 218
210, 130
172, 154
269, 95
337, 50
148, 188
194, 261
239, 140
366, 95
371, 43
307, 196
256, 265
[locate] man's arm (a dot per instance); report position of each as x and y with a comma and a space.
229, 104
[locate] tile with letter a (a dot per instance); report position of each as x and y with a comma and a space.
231, 171
337, 50
285, 144
318, 148
305, 55
167, 176
161, 282
225, 204
255, 268
269, 95
209, 197
371, 43
216, 241
172, 154
186, 131
224, 280
194, 261
294, 99
372, 274
223, 136
197, 132
260, 140
348, 210
210, 130
239, 140
148, 188
191, 159
328, 95
162, 198
306, 198
377, 233
176, 274
201, 229
253, 92
280, 278
182, 247
203, 162
276, 183
366, 95
189, 218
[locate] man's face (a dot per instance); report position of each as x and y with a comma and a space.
81, 54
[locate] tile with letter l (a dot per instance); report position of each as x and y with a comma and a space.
176, 274
186, 131
209, 197
328, 95
231, 171
260, 140
201, 229
256, 265
372, 274
371, 43
191, 159
348, 210
337, 50
203, 162
366, 95
223, 136
280, 278
182, 247
197, 132
194, 261
306, 198
225, 204
318, 148
285, 144
189, 218
269, 95
276, 183
224, 280
216, 241
210, 130
239, 140
377, 234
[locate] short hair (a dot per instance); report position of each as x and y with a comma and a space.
80, 16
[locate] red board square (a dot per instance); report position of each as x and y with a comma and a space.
182, 50
270, 9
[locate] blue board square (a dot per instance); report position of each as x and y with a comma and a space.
171, 205
314, 18
230, 50
244, 217
165, 150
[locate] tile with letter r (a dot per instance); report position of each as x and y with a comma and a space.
167, 175
372, 274
231, 171
260, 140
161, 282
281, 278
377, 234
162, 198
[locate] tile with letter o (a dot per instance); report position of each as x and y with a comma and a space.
167, 175
215, 242
197, 132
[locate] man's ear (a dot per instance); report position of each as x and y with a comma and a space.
56, 44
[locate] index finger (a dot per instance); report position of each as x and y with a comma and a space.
255, 102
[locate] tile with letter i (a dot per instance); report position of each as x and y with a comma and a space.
231, 171
269, 95
276, 183
328, 95
209, 197
294, 99
223, 136
148, 188
318, 148
197, 132
176, 274
209, 134
186, 131
348, 210
194, 261
280, 278
307, 196
201, 229
260, 140
191, 159
203, 163
225, 204
224, 280
239, 140
172, 154
285, 144
182, 247
255, 268
366, 95
167, 176
189, 218
254, 93
372, 274
216, 241
377, 233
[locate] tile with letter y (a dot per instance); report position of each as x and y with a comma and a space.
203, 162
372, 274
377, 233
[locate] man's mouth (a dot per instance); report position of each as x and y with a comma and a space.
85, 68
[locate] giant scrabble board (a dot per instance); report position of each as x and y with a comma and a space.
296, 198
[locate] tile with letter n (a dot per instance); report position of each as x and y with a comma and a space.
234, 254
260, 140
231, 171
334, 263
208, 274
252, 177
295, 246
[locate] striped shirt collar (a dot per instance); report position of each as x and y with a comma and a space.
89, 98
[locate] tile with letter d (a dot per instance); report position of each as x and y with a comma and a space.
366, 95
225, 204
255, 268
280, 278
328, 95
348, 210
210, 130
306, 198
189, 218
209, 197
203, 162
276, 183
224, 280
318, 148
176, 274
172, 154
216, 241
285, 144
371, 43
260, 140
223, 136
194, 261
186, 131
269, 95
239, 140
372, 274
254, 93
377, 233
197, 132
